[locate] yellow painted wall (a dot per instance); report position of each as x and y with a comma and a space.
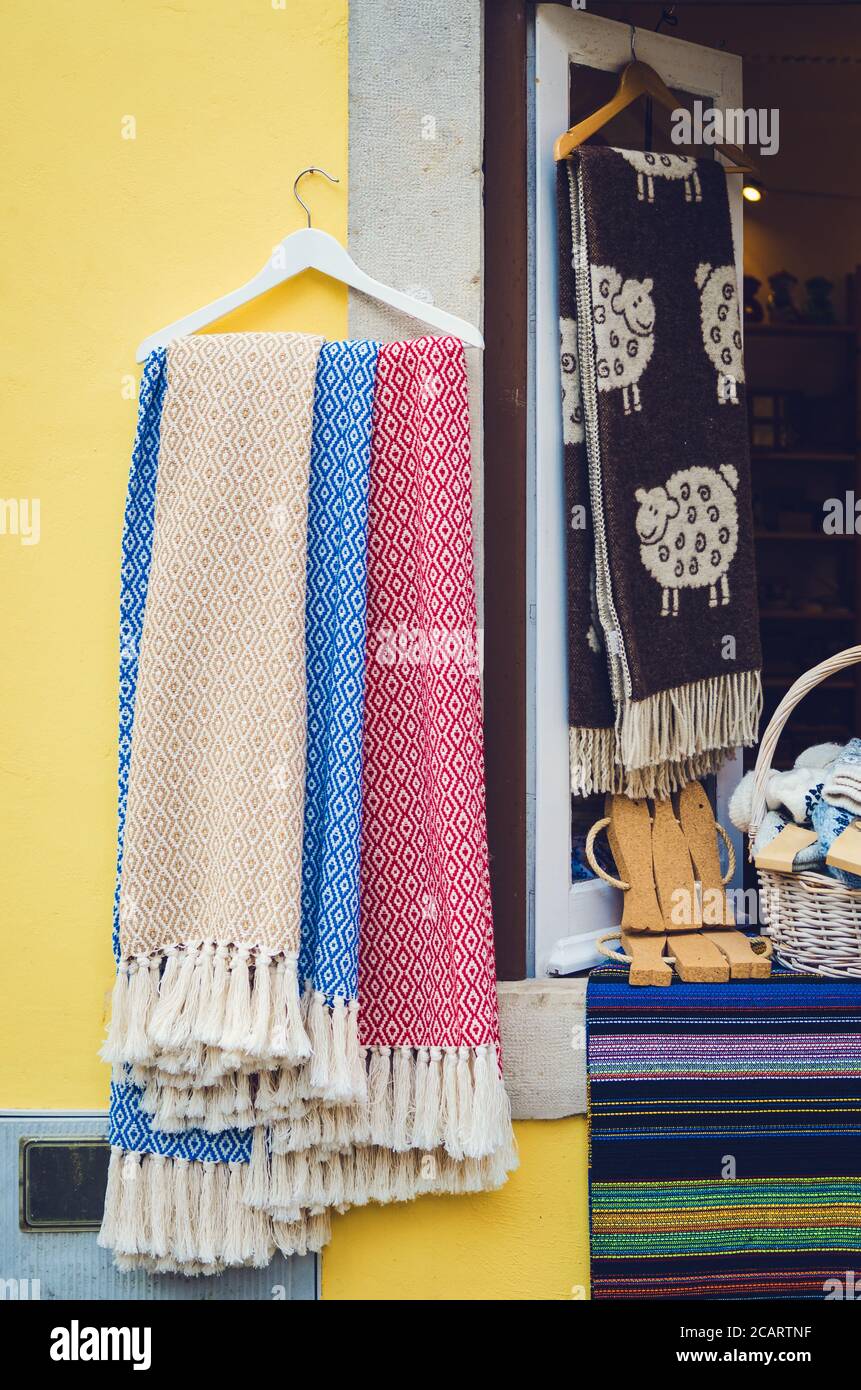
527, 1241
104, 240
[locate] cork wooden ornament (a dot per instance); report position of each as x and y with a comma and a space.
649, 965
744, 962
701, 834
674, 874
698, 826
630, 835
698, 960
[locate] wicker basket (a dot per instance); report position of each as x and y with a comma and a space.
814, 921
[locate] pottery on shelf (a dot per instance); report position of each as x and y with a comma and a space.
819, 308
753, 310
781, 308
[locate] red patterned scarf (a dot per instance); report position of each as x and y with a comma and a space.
426, 964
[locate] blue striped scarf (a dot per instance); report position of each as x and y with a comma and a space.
335, 665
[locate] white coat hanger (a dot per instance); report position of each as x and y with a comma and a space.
311, 249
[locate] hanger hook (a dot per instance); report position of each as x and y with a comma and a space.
633, 47
312, 169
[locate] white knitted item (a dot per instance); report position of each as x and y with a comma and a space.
843, 783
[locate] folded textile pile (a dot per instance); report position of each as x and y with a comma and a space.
282, 1042
664, 657
725, 1149
822, 792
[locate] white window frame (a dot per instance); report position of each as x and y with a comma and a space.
564, 36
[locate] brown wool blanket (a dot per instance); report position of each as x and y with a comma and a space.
664, 654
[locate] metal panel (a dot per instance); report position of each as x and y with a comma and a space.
62, 1181
71, 1266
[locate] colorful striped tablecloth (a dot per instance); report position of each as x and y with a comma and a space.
725, 1138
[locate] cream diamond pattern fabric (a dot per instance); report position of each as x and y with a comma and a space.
213, 838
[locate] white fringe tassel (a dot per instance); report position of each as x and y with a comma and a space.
397, 1098
691, 720
595, 767
196, 1030
432, 1121
417, 1099
175, 1215
668, 739
311, 1183
592, 754
238, 1008
667, 778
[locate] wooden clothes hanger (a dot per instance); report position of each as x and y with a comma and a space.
312, 249
638, 80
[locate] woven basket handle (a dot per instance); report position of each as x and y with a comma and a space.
794, 695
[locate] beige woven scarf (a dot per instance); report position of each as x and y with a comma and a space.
211, 876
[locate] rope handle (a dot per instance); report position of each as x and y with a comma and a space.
620, 883
620, 956
730, 854
794, 695
605, 951
593, 862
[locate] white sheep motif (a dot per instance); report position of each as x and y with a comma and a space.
688, 531
623, 313
573, 431
721, 327
664, 166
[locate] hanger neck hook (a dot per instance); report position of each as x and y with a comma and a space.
633, 43
312, 169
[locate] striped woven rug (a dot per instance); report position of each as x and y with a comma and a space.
725, 1138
